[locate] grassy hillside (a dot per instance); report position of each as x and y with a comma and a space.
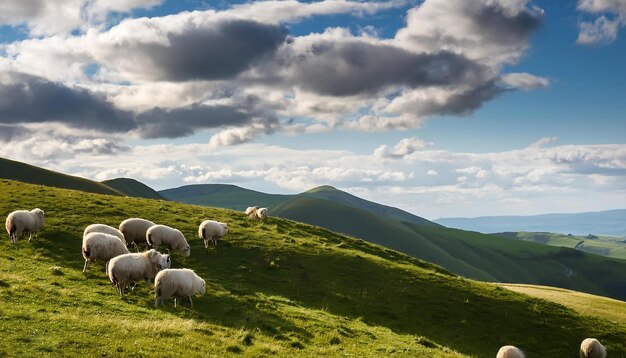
221, 196
275, 289
236, 198
10, 169
600, 245
132, 187
591, 305
470, 254
610, 222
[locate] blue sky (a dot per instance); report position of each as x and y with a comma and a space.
440, 108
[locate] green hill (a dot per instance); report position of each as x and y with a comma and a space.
222, 196
132, 187
14, 170
278, 288
600, 245
237, 198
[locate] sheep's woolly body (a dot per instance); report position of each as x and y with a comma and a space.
510, 352
134, 230
211, 230
177, 283
158, 235
23, 221
104, 229
261, 213
128, 268
101, 246
251, 211
592, 348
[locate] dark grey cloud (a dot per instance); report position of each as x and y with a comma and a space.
34, 100
466, 102
344, 68
499, 27
9, 132
221, 51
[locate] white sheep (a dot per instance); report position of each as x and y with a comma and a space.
129, 268
177, 283
211, 230
22, 221
104, 229
261, 214
510, 352
158, 235
592, 348
101, 246
134, 230
251, 211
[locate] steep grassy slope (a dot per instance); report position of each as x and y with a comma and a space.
600, 245
275, 289
610, 222
221, 196
132, 187
470, 254
14, 170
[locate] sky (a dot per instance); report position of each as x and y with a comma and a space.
443, 108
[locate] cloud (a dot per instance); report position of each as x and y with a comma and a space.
543, 142
403, 148
601, 30
524, 81
11, 132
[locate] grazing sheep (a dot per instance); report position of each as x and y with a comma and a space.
22, 221
261, 214
128, 268
251, 211
211, 230
172, 238
104, 229
134, 230
101, 246
592, 348
177, 283
510, 352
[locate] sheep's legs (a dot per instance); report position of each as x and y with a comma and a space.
174, 302
86, 265
190, 302
136, 247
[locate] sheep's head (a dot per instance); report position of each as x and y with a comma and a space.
38, 212
225, 227
202, 287
162, 261
187, 251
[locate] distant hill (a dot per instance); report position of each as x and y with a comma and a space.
279, 289
132, 187
237, 198
471, 254
611, 222
599, 245
14, 170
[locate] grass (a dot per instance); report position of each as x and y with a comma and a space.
591, 305
326, 294
132, 187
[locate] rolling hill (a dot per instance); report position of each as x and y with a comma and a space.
14, 170
470, 254
610, 222
278, 288
132, 187
600, 245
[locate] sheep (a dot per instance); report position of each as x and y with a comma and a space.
104, 229
173, 238
251, 211
129, 268
177, 283
261, 214
134, 230
510, 352
592, 348
101, 246
21, 221
211, 230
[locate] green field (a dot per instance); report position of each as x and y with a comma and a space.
595, 244
132, 187
278, 288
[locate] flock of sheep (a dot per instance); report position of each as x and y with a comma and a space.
105, 243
